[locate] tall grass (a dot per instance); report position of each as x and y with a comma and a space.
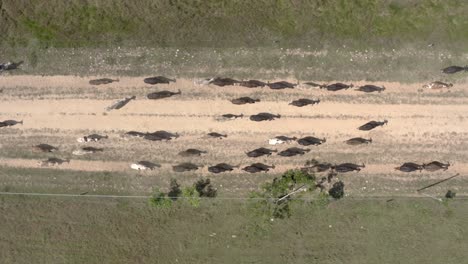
225, 23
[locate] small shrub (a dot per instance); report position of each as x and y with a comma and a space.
174, 190
160, 200
337, 191
191, 196
204, 188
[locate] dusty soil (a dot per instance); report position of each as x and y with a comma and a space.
423, 125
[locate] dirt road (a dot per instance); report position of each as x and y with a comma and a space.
423, 125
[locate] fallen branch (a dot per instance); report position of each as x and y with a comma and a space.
434, 184
291, 193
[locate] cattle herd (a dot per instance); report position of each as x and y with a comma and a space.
313, 166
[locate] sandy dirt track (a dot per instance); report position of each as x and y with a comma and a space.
421, 132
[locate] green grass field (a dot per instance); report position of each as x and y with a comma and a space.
77, 230
233, 23
404, 41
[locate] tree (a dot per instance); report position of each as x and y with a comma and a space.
276, 198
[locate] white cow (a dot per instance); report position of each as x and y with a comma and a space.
275, 141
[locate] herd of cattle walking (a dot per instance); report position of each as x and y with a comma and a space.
314, 166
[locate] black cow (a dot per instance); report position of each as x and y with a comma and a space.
216, 135
252, 83
303, 102
223, 81
347, 167
281, 85
260, 152
244, 100
221, 167
10, 66
293, 152
257, 167
186, 166
263, 117
45, 148
369, 88
53, 161
158, 79
160, 135
192, 152
454, 69
306, 141
336, 86
232, 116
409, 167
8, 123
435, 166
358, 141
162, 94
102, 81
371, 125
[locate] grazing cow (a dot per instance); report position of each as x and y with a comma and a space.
232, 116
306, 141
315, 166
281, 85
263, 117
358, 141
102, 81
186, 166
158, 79
53, 162
244, 100
216, 135
10, 66
160, 135
409, 167
120, 103
336, 86
303, 102
260, 152
252, 83
8, 123
257, 167
347, 167
437, 85
162, 94
192, 152
454, 69
371, 125
293, 152
92, 137
87, 150
223, 81
435, 166
221, 167
45, 148
144, 165
369, 88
